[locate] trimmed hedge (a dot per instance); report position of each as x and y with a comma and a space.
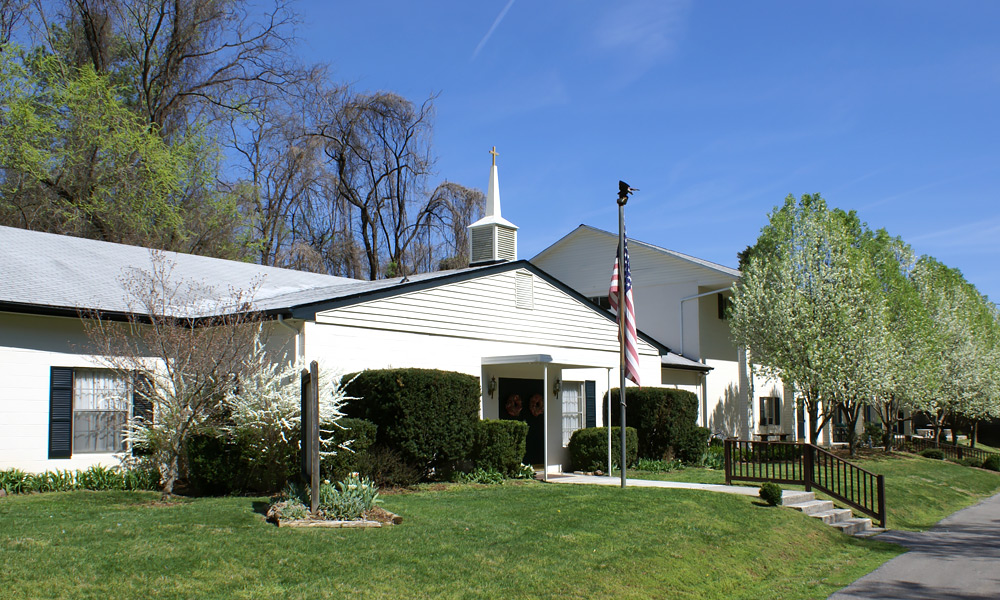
992, 462
588, 448
666, 421
362, 435
932, 453
500, 445
428, 416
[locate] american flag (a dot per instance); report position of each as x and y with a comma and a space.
631, 354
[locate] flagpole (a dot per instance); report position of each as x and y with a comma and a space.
621, 323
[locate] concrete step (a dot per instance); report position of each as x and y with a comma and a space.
853, 526
812, 506
837, 515
796, 497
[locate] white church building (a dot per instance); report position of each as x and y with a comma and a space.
525, 328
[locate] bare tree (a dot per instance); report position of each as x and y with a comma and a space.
378, 146
189, 343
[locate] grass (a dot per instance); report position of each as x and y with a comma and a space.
511, 541
919, 491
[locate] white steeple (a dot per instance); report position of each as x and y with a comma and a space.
493, 238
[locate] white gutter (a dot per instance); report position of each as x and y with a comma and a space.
683, 300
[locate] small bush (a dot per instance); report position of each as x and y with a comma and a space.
214, 465
659, 466
100, 478
483, 476
12, 481
428, 416
714, 457
500, 445
588, 448
770, 493
970, 461
524, 472
361, 434
387, 468
992, 462
349, 499
932, 453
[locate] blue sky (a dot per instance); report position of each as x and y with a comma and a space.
715, 110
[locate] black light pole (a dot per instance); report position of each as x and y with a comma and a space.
623, 192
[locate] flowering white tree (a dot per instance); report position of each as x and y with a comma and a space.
264, 409
810, 312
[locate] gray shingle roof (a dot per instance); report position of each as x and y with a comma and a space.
57, 271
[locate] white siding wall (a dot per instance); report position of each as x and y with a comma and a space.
453, 327
29, 347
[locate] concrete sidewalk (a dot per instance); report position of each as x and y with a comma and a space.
958, 559
741, 490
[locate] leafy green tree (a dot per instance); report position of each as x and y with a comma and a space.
75, 160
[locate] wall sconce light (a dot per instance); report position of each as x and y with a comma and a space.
491, 386
557, 387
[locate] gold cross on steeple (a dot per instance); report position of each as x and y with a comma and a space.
495, 154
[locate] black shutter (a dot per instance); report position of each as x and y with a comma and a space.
142, 406
763, 411
61, 412
591, 391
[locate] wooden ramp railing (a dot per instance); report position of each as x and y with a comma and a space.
798, 463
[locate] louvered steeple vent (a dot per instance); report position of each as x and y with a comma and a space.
493, 238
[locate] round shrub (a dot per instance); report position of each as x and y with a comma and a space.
992, 462
770, 493
387, 468
665, 420
500, 445
588, 448
428, 416
932, 453
970, 462
360, 433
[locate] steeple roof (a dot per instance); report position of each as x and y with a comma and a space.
492, 216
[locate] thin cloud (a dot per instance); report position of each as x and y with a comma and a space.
493, 27
643, 32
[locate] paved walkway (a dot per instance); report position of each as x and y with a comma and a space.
957, 559
742, 490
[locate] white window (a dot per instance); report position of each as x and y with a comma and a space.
572, 409
101, 403
770, 410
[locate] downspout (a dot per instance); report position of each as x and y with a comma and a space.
299, 354
681, 309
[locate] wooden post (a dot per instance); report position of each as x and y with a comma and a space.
314, 435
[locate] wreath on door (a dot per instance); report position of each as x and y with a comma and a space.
513, 405
536, 405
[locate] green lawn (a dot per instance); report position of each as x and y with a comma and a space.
919, 491
511, 541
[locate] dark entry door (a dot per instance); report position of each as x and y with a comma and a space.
523, 400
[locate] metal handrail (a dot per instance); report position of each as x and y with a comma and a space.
804, 464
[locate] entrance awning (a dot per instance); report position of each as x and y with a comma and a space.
542, 359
